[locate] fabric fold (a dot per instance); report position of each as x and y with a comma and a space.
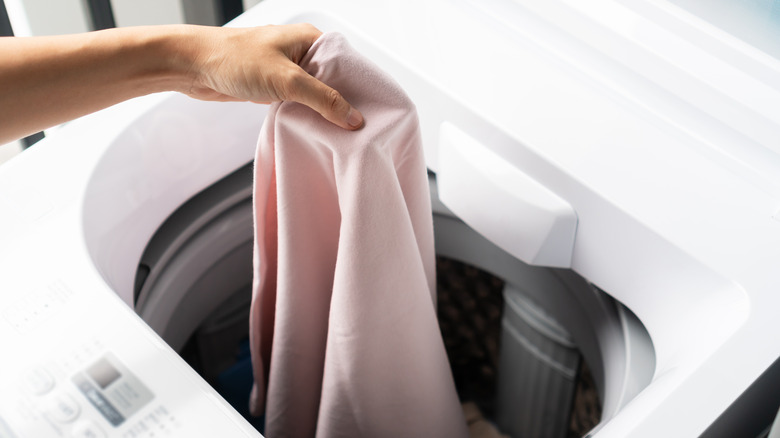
343, 329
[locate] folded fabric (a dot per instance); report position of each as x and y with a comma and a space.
343, 329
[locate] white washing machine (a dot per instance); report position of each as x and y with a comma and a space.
617, 161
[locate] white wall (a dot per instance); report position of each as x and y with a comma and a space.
53, 17
143, 12
47, 17
249, 3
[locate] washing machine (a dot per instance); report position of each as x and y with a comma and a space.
616, 162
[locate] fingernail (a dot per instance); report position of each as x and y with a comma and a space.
354, 118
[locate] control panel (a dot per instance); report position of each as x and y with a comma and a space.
90, 393
79, 363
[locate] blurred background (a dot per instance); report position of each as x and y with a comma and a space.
46, 17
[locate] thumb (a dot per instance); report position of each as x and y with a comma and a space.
327, 101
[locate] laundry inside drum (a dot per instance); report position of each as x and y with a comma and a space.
531, 348
471, 308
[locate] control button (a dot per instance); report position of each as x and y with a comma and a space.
98, 400
39, 381
63, 408
87, 429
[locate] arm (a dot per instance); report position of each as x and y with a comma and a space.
45, 81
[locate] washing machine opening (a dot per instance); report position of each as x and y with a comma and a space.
515, 371
507, 326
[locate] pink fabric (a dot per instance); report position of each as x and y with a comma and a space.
344, 336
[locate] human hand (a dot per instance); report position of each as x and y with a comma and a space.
260, 65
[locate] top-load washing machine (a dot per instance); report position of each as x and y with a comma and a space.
615, 161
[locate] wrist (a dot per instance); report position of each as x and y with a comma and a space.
165, 56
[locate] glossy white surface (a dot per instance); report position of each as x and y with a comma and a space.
58, 316
503, 204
